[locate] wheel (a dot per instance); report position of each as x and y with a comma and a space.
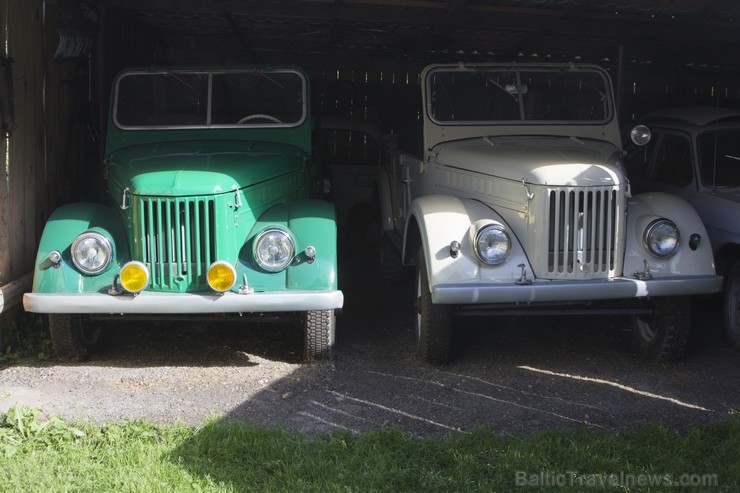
73, 336
433, 322
731, 307
319, 328
259, 116
391, 268
662, 336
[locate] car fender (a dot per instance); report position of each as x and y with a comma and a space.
435, 221
61, 229
719, 214
312, 223
642, 209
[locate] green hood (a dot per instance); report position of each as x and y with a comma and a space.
190, 168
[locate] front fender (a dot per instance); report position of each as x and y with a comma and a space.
312, 223
644, 208
61, 229
437, 220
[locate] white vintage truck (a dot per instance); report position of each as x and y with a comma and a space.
520, 205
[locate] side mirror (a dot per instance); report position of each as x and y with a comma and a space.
640, 135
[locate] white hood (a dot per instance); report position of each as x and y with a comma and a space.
552, 161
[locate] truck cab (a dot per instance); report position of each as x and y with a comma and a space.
212, 209
694, 153
520, 205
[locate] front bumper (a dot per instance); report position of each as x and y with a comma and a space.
597, 289
179, 303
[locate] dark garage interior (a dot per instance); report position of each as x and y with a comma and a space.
363, 57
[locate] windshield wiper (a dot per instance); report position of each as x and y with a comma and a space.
180, 80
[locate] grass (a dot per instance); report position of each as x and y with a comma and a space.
51, 455
224, 456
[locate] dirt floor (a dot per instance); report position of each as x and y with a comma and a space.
511, 374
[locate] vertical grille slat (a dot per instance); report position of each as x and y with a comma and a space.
208, 214
176, 241
594, 232
567, 234
608, 233
582, 232
187, 228
575, 232
555, 224
167, 239
196, 234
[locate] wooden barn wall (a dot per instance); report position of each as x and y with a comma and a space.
39, 156
388, 92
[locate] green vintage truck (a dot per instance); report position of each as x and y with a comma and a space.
212, 208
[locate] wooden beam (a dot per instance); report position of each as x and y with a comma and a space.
12, 293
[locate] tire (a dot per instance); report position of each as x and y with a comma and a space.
391, 268
663, 335
319, 329
73, 336
433, 322
731, 306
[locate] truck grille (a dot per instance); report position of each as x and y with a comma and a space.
175, 240
583, 235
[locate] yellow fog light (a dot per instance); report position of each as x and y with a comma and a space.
134, 277
221, 276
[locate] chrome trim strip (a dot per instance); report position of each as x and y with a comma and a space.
178, 303
592, 289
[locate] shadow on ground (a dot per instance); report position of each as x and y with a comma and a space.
515, 376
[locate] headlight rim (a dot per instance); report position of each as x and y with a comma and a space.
650, 229
143, 267
256, 244
106, 243
230, 268
481, 231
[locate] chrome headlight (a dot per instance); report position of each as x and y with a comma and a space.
273, 249
91, 252
492, 244
662, 238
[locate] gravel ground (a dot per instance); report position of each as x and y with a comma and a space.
513, 375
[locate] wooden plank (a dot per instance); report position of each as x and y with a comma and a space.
26, 146
5, 274
12, 293
34, 155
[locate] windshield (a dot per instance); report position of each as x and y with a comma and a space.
498, 95
719, 158
184, 99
